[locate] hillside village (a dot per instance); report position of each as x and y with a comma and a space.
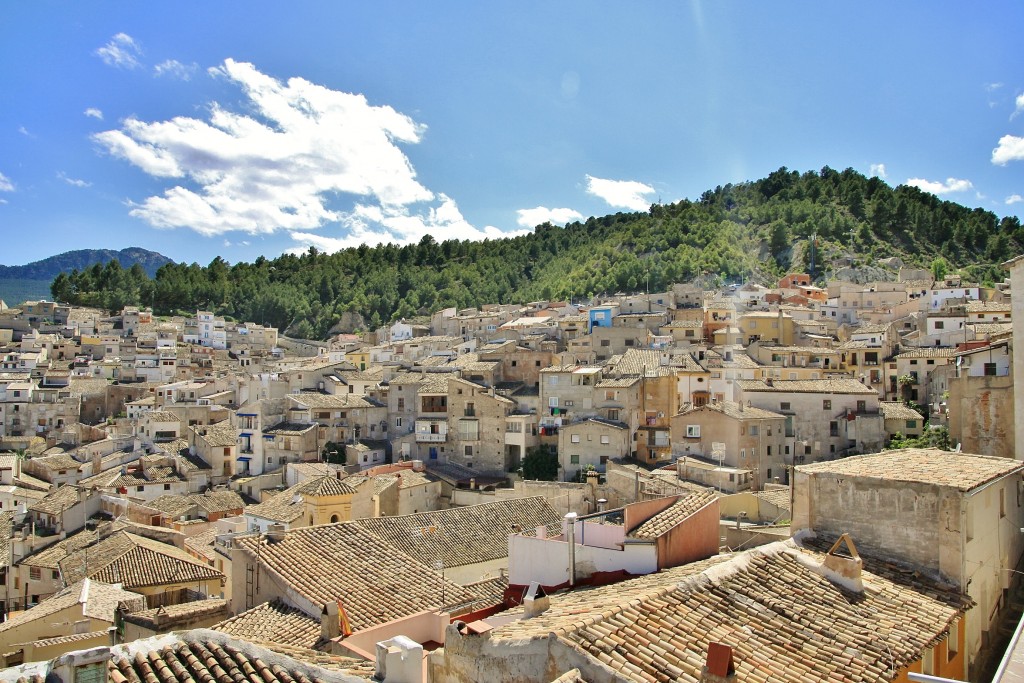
746, 483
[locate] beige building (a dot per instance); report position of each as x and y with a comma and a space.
476, 424
901, 419
956, 514
321, 500
590, 443
751, 439
85, 609
828, 418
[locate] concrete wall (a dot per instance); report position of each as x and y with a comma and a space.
972, 539
695, 539
981, 415
547, 560
564, 497
1017, 285
474, 658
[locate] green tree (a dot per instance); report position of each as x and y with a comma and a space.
939, 268
540, 465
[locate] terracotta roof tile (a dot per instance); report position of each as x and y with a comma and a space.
775, 606
672, 516
464, 535
961, 471
275, 622
376, 582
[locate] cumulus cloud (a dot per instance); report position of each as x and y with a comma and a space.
1018, 106
122, 51
5, 184
286, 164
529, 218
377, 224
73, 181
878, 170
1014, 199
939, 187
172, 68
93, 112
1010, 148
625, 194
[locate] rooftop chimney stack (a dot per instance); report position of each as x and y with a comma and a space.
719, 667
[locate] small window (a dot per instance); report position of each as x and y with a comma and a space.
693, 431
140, 488
826, 404
911, 424
574, 460
167, 487
605, 439
35, 573
469, 451
784, 406
575, 438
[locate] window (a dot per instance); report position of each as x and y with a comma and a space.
807, 450
990, 369
939, 325
575, 438
784, 406
605, 439
398, 422
613, 415
833, 428
754, 431
140, 488
606, 342
826, 405
35, 573
574, 460
514, 363
693, 431
862, 406
401, 403
469, 451
911, 424
167, 487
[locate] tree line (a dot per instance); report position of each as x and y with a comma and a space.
754, 230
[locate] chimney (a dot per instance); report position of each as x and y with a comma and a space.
275, 533
719, 667
536, 601
418, 466
844, 570
542, 531
602, 503
399, 660
330, 621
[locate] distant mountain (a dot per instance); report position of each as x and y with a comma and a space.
48, 268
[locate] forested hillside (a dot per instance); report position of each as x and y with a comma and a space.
750, 230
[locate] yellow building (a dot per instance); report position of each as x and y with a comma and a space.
767, 326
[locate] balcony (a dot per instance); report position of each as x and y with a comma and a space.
430, 438
469, 412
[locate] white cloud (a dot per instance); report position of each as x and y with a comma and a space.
625, 194
991, 87
878, 170
1018, 106
1014, 199
94, 113
382, 224
175, 69
73, 181
939, 187
1011, 148
25, 131
5, 184
285, 164
529, 218
122, 51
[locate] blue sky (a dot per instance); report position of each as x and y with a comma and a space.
240, 129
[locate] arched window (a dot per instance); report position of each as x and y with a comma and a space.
335, 519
